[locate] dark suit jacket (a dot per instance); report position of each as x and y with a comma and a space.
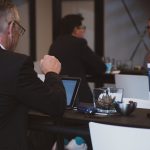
77, 60
21, 90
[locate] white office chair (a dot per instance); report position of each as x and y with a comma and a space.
111, 137
135, 86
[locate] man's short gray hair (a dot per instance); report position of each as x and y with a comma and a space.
8, 13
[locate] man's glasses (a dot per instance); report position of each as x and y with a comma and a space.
20, 28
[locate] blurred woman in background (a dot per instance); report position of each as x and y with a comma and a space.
75, 55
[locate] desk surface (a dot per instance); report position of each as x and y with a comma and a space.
137, 119
74, 123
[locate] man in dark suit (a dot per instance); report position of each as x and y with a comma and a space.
20, 88
75, 55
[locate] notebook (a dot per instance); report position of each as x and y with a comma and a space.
71, 85
135, 86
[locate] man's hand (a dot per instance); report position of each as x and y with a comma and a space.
50, 64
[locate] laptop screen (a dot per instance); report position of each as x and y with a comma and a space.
71, 86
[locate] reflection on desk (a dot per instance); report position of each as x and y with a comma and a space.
137, 119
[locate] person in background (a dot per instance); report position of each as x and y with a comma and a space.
148, 26
147, 56
77, 59
20, 88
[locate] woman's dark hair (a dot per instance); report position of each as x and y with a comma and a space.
69, 22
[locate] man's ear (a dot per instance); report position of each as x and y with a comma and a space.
10, 29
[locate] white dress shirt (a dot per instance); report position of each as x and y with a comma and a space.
2, 47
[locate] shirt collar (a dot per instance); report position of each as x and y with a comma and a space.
2, 47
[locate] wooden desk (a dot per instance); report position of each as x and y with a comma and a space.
137, 119
74, 123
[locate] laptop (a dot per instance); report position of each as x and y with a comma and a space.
71, 85
135, 86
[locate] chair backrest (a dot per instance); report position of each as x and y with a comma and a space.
135, 86
111, 137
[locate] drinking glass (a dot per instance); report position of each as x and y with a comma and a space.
104, 98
